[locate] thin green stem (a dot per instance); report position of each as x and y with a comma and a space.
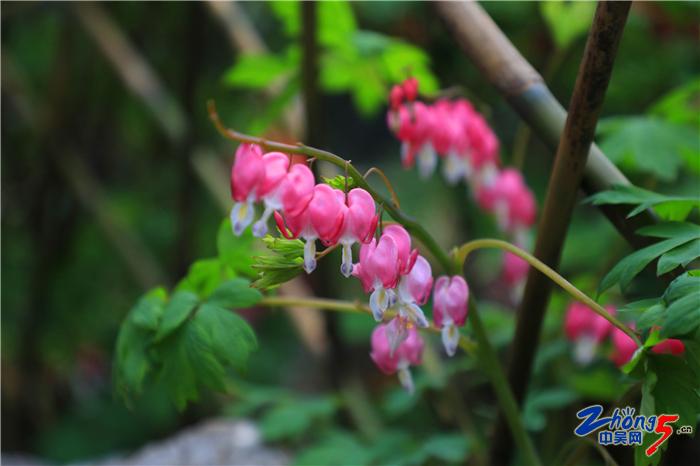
492, 367
413, 227
347, 306
460, 255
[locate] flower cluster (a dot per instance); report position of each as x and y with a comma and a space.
398, 279
457, 133
302, 208
587, 330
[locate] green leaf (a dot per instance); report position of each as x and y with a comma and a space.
282, 265
231, 338
181, 304
682, 255
567, 20
681, 286
682, 316
540, 401
671, 230
131, 359
289, 14
648, 144
673, 208
336, 24
452, 448
289, 420
335, 449
235, 294
647, 408
681, 105
148, 310
625, 270
258, 71
340, 182
204, 276
188, 362
652, 317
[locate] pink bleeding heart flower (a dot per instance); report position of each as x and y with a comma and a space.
396, 96
359, 224
247, 173
297, 189
514, 269
586, 329
321, 219
410, 89
413, 125
450, 300
669, 346
276, 165
483, 142
414, 291
402, 239
378, 271
409, 352
624, 347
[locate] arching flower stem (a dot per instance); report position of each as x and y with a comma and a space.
460, 255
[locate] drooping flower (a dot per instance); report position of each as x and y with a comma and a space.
586, 329
624, 347
406, 256
247, 173
450, 300
514, 269
297, 189
276, 165
414, 291
378, 271
669, 346
321, 219
408, 353
359, 224
413, 124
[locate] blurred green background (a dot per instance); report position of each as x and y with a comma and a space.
114, 181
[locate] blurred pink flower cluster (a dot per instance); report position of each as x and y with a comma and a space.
588, 330
454, 131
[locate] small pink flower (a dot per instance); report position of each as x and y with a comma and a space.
410, 89
378, 271
586, 329
402, 239
510, 199
669, 346
297, 189
321, 219
624, 347
359, 224
409, 352
396, 97
247, 174
413, 125
276, 165
450, 300
414, 291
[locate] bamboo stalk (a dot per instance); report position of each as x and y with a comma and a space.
569, 166
524, 89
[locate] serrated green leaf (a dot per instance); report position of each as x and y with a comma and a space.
625, 270
149, 309
682, 255
235, 294
231, 338
188, 362
284, 263
682, 316
131, 359
181, 304
204, 276
681, 104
